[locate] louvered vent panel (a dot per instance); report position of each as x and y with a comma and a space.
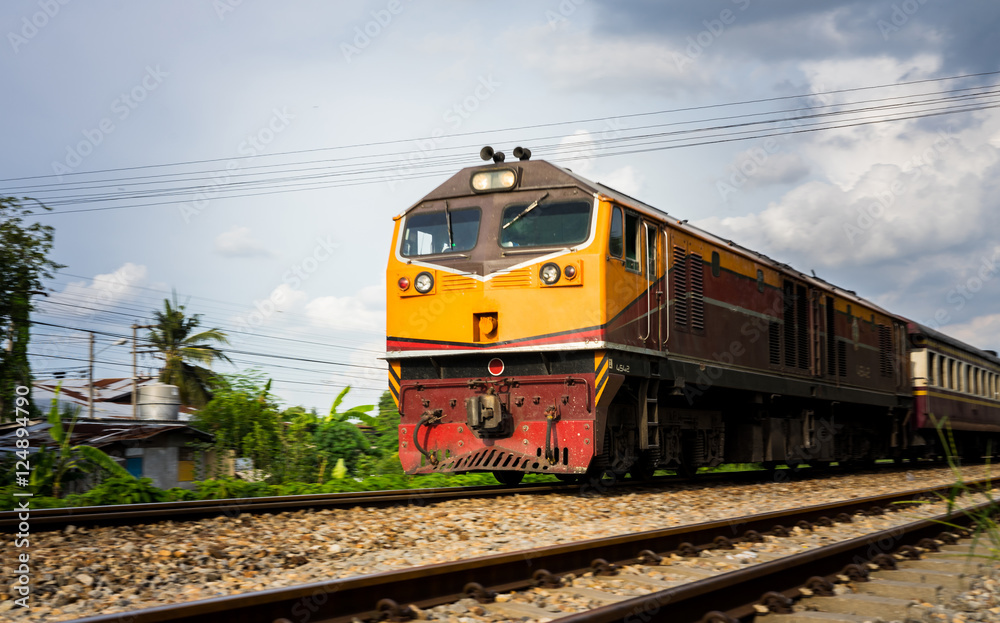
802, 327
841, 359
831, 338
680, 287
696, 270
514, 279
451, 283
774, 342
885, 350
789, 318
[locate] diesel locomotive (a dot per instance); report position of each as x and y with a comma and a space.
539, 322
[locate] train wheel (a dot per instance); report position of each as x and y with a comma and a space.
687, 470
509, 479
644, 467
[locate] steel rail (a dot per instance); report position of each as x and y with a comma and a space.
119, 514
733, 597
131, 514
369, 596
49, 519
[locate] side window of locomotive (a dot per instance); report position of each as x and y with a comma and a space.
617, 239
545, 224
429, 233
650, 250
632, 242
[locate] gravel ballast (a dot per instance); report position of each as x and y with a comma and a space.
83, 572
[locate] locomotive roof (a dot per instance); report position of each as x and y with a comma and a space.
542, 175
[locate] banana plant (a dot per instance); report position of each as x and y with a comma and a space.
54, 465
357, 413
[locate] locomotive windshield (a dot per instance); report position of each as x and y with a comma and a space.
540, 223
447, 231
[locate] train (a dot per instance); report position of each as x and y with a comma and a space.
540, 322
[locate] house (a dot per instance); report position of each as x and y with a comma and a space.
163, 451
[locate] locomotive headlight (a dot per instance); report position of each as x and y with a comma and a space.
423, 283
493, 180
549, 273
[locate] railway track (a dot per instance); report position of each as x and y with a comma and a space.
132, 514
736, 595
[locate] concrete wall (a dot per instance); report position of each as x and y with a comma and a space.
160, 464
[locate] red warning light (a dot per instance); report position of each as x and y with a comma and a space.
495, 366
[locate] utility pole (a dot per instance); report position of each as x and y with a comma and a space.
90, 375
135, 373
90, 369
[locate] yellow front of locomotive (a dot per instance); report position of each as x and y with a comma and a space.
494, 316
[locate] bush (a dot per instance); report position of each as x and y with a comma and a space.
223, 488
177, 494
121, 490
9, 502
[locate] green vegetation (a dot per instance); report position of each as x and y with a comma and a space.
985, 528
67, 462
295, 452
132, 491
24, 261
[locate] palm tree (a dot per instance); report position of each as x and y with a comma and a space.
186, 353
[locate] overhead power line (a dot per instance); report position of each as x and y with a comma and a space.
180, 187
537, 126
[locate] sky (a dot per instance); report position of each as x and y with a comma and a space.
247, 156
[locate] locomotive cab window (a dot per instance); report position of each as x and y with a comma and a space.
447, 231
632, 245
616, 239
542, 224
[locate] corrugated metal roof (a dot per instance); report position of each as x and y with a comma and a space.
112, 397
99, 434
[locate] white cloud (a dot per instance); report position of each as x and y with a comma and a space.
104, 292
576, 59
364, 311
892, 192
238, 242
982, 331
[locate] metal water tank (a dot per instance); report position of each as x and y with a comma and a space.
159, 402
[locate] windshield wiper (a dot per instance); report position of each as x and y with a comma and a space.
447, 218
534, 204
